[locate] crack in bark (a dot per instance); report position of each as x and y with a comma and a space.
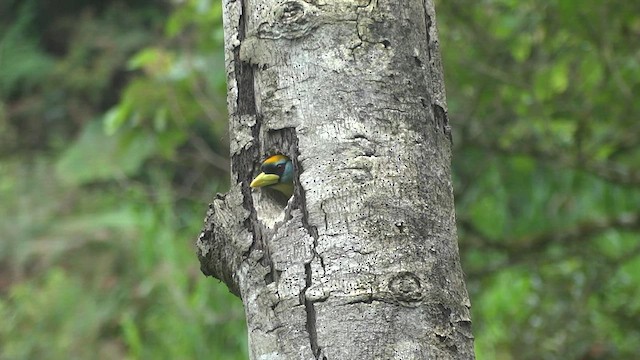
324, 212
309, 304
428, 23
442, 120
361, 36
246, 105
440, 114
244, 161
311, 313
313, 232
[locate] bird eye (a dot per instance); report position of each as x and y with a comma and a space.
280, 166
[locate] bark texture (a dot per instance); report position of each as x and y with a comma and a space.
362, 262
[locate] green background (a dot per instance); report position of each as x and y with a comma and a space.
113, 138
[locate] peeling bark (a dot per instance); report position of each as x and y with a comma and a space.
362, 262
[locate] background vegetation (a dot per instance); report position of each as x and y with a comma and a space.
113, 139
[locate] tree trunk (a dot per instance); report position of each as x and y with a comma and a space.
362, 262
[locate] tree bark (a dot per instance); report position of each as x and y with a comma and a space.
362, 262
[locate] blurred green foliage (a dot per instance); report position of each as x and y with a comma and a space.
113, 138
543, 98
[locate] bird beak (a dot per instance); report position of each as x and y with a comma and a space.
265, 180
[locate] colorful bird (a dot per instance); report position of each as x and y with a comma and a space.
277, 174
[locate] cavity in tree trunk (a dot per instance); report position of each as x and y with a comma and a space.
362, 262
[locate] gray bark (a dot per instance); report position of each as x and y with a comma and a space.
362, 262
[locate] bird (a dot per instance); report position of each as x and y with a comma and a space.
277, 174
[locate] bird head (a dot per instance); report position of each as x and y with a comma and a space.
277, 174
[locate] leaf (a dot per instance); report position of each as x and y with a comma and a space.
115, 118
143, 58
96, 156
